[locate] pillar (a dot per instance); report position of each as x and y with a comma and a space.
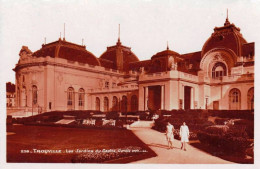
146, 98
192, 98
162, 97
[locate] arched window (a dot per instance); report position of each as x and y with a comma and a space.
250, 99
81, 99
23, 97
106, 106
234, 99
124, 104
115, 104
219, 70
34, 95
97, 104
70, 98
134, 103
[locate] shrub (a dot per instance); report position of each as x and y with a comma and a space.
236, 114
119, 123
227, 142
217, 129
221, 121
248, 124
112, 115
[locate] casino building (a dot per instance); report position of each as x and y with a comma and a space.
65, 76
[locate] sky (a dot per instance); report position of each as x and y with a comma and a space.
146, 25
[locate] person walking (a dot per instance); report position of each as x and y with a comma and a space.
169, 135
184, 134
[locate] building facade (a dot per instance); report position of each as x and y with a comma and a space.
10, 94
65, 76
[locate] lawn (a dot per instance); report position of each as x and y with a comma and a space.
22, 142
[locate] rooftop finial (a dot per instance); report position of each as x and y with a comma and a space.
227, 21
227, 14
44, 40
167, 46
118, 42
82, 41
119, 33
60, 35
64, 32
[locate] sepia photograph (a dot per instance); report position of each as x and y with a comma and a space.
129, 82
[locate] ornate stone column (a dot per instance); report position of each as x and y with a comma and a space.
162, 97
146, 98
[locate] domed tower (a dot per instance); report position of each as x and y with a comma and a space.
67, 50
224, 50
164, 61
118, 57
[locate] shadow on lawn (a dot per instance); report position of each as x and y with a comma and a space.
232, 156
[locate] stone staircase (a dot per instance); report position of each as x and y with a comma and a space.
142, 124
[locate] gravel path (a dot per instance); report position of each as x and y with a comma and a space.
157, 142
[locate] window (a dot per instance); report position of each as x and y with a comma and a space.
81, 98
250, 99
219, 70
24, 97
34, 95
113, 85
97, 104
115, 104
124, 104
234, 99
107, 85
70, 98
134, 103
106, 106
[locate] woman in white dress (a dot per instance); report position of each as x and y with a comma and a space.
169, 135
185, 134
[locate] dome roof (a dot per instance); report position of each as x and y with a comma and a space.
67, 50
228, 36
118, 57
165, 53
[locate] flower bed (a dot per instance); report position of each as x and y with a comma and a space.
100, 156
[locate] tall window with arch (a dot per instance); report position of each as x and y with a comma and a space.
124, 104
34, 95
97, 104
23, 97
70, 98
81, 98
106, 104
219, 70
234, 99
250, 98
115, 103
134, 103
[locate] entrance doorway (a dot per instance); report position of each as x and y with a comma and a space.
154, 97
215, 105
187, 97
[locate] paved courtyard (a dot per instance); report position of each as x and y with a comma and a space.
157, 142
